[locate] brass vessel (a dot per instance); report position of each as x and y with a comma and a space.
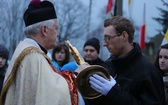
82, 80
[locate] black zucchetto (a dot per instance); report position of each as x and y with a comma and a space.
38, 11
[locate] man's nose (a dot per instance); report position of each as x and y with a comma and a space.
104, 43
0, 58
88, 52
162, 59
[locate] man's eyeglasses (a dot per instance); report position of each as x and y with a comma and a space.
107, 38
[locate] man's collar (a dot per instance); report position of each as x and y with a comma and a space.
42, 48
37, 44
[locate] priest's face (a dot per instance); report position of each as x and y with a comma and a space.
52, 34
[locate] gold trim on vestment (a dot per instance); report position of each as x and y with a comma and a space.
14, 70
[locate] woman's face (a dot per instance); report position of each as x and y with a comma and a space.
2, 61
60, 55
163, 59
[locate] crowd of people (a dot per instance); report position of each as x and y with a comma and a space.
32, 78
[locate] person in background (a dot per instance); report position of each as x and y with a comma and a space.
31, 79
61, 58
4, 55
161, 63
60, 55
134, 79
91, 50
72, 66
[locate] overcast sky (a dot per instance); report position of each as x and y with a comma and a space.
151, 11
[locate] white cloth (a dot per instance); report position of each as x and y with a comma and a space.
35, 82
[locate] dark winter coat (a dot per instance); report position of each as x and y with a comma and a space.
100, 62
97, 61
138, 81
2, 75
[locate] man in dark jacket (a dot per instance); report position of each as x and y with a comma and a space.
134, 80
91, 50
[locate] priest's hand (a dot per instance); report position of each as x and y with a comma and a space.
82, 67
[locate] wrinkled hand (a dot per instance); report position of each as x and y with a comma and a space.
101, 84
81, 67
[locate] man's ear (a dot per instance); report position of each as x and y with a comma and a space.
44, 30
125, 36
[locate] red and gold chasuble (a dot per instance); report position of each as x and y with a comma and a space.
69, 76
